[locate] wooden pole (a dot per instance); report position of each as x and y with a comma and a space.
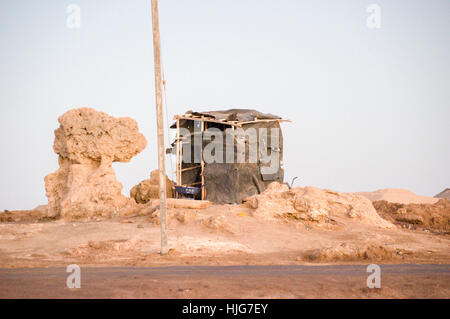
202, 162
160, 125
179, 144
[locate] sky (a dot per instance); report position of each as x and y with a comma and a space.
370, 107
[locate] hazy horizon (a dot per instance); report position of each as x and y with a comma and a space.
369, 107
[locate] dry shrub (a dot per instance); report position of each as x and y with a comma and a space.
345, 252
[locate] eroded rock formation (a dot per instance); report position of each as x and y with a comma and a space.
85, 185
149, 189
314, 205
430, 217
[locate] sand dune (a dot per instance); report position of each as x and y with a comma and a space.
398, 195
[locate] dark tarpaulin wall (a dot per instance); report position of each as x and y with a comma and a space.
229, 183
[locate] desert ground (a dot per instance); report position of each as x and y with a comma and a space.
225, 235
89, 222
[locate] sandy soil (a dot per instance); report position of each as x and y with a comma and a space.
218, 235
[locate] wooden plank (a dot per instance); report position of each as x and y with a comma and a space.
197, 183
178, 117
183, 203
187, 203
266, 120
229, 123
190, 168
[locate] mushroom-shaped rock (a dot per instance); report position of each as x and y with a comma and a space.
87, 143
87, 136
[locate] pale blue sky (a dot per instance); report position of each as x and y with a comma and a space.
370, 108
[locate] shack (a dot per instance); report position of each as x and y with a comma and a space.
226, 156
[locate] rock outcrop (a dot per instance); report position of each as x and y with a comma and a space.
85, 185
149, 189
314, 205
429, 217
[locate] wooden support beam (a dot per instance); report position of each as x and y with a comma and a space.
259, 121
229, 123
179, 143
184, 203
183, 117
190, 168
202, 162
205, 127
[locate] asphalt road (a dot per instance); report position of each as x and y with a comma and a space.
328, 281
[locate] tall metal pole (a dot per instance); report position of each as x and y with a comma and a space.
160, 124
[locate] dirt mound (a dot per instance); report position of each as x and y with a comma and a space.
434, 217
149, 189
85, 185
213, 224
107, 251
397, 195
346, 252
315, 205
217, 224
